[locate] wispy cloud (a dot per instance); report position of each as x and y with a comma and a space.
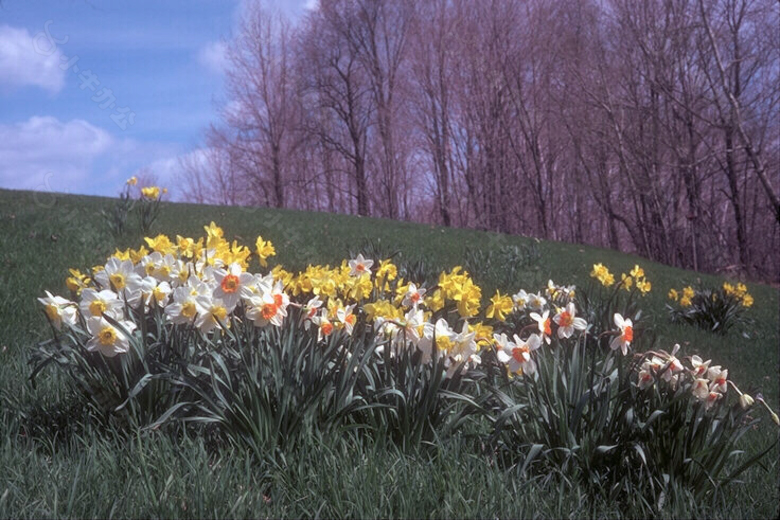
27, 60
213, 56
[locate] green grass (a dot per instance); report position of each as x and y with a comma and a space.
68, 467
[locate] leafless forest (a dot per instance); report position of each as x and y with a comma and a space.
646, 126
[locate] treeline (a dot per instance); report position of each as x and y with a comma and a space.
649, 126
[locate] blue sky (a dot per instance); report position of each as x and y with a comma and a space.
72, 73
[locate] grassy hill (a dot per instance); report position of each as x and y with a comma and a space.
42, 235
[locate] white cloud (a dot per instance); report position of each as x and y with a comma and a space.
213, 56
311, 5
173, 171
27, 60
46, 154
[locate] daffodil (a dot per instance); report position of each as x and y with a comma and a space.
718, 378
232, 284
184, 307
359, 265
462, 351
59, 310
543, 321
536, 302
264, 250
270, 307
98, 303
625, 335
700, 388
108, 339
310, 309
700, 368
413, 296
212, 312
644, 286
500, 306
568, 322
121, 277
520, 299
77, 281
517, 354
602, 274
346, 318
161, 243
439, 334
645, 377
151, 192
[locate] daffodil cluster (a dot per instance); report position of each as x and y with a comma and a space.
205, 286
634, 278
707, 383
205, 283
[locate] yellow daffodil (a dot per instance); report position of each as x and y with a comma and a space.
626, 281
151, 192
644, 286
161, 244
264, 249
500, 306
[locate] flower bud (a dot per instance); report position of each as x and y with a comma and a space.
746, 401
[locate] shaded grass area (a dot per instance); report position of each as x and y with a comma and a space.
71, 467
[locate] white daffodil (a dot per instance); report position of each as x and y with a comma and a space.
536, 302
544, 324
645, 378
232, 283
441, 333
700, 368
625, 334
409, 331
95, 304
413, 296
120, 276
718, 378
520, 299
359, 266
59, 310
324, 326
184, 307
149, 264
700, 388
211, 312
568, 321
270, 307
517, 354
309, 311
712, 398
107, 339
346, 318
464, 346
